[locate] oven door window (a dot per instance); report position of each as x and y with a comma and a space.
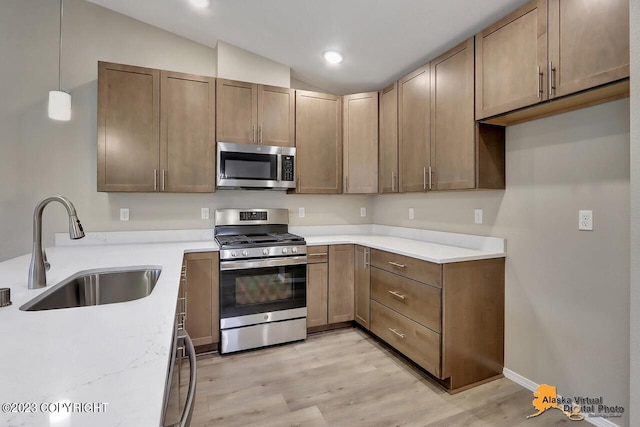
261, 167
260, 290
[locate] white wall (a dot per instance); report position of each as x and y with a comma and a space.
39, 156
566, 290
635, 212
238, 64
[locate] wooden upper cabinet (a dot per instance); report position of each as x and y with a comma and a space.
249, 113
236, 111
128, 127
511, 61
276, 115
414, 129
318, 143
452, 119
388, 151
360, 139
187, 133
588, 44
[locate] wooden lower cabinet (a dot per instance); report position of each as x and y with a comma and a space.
362, 279
201, 291
447, 318
341, 283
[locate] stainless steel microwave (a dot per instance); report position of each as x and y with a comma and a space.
253, 166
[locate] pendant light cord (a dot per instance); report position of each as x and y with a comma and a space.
60, 48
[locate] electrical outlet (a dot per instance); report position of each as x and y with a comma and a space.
411, 213
585, 220
204, 213
300, 212
478, 216
124, 214
363, 211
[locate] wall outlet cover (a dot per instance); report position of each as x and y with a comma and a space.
300, 212
478, 216
411, 213
124, 214
204, 213
363, 211
585, 220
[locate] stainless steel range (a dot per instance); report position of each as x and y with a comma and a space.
263, 279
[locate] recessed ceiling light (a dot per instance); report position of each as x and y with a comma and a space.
200, 3
333, 57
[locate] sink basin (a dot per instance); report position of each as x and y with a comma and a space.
97, 287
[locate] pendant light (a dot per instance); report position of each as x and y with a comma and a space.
59, 101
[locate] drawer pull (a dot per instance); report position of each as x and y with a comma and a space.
397, 333
395, 264
318, 254
397, 295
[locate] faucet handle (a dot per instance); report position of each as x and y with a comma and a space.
47, 264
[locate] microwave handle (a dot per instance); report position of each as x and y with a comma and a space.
279, 168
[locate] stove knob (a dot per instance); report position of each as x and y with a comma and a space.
294, 250
265, 251
284, 250
234, 253
245, 253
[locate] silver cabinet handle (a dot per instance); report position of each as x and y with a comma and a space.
164, 177
397, 295
553, 78
395, 264
318, 254
430, 173
260, 131
424, 178
393, 181
187, 412
253, 135
539, 82
155, 180
397, 333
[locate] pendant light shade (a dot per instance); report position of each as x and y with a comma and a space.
59, 105
59, 101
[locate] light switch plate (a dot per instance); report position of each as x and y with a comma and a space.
300, 212
411, 213
204, 213
363, 211
585, 220
124, 214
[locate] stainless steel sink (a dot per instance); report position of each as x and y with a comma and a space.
97, 287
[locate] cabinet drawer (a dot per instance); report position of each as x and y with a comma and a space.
316, 254
418, 343
416, 269
417, 301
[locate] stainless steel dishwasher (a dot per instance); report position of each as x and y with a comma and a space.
178, 402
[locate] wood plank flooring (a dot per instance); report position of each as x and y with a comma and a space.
347, 378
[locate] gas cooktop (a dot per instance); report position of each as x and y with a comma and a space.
253, 240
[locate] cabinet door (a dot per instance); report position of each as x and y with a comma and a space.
128, 128
236, 112
341, 283
511, 61
202, 295
318, 143
388, 169
413, 129
452, 126
276, 115
588, 43
317, 279
362, 283
187, 133
360, 133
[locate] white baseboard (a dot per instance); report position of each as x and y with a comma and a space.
530, 385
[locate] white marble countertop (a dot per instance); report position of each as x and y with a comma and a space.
118, 354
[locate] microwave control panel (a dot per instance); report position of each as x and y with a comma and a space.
287, 168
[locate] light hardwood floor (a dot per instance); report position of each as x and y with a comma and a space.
347, 378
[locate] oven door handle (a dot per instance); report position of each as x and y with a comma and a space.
258, 263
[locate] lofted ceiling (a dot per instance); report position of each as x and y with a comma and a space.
381, 39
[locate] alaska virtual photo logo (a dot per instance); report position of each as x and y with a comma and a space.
545, 397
